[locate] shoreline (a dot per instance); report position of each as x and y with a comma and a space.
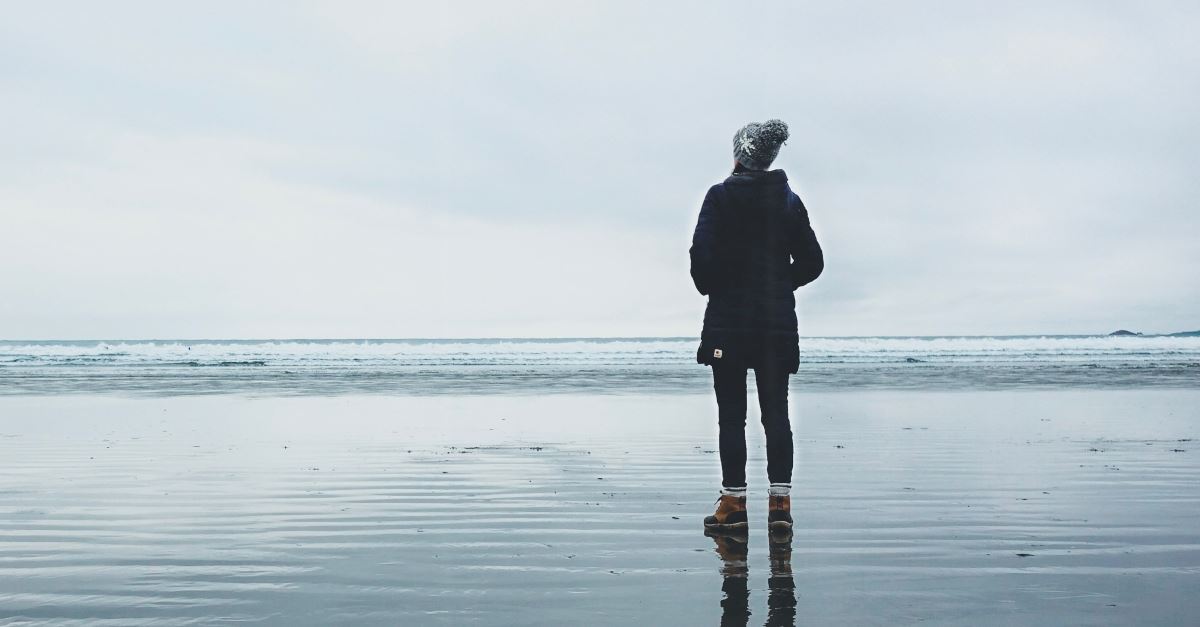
266, 381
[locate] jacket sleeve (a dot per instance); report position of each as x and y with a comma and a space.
807, 259
704, 244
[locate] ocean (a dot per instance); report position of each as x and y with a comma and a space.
505, 482
568, 365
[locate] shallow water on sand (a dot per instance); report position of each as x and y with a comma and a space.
1008, 508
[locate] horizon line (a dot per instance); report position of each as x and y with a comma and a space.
567, 338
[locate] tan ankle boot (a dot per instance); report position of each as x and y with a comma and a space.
730, 514
779, 512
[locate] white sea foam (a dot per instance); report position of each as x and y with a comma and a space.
530, 365
857, 349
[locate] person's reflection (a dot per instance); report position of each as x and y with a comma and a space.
735, 605
781, 599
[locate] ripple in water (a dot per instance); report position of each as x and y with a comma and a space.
1051, 507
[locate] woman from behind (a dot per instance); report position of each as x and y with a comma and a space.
752, 248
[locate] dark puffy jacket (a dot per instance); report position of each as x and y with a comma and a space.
752, 248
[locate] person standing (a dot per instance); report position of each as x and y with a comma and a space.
752, 248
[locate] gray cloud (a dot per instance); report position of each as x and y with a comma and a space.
970, 168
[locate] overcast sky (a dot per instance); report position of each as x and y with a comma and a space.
443, 169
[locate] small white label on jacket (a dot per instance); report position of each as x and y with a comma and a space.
717, 353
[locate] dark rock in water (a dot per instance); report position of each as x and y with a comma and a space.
914, 360
1123, 332
1186, 334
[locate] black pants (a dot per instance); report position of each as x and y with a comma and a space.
729, 381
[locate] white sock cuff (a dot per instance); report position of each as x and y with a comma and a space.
739, 491
780, 489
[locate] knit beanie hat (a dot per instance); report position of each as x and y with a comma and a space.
756, 145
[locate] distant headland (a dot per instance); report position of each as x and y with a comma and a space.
1125, 333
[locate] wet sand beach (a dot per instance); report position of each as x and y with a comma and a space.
1056, 507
